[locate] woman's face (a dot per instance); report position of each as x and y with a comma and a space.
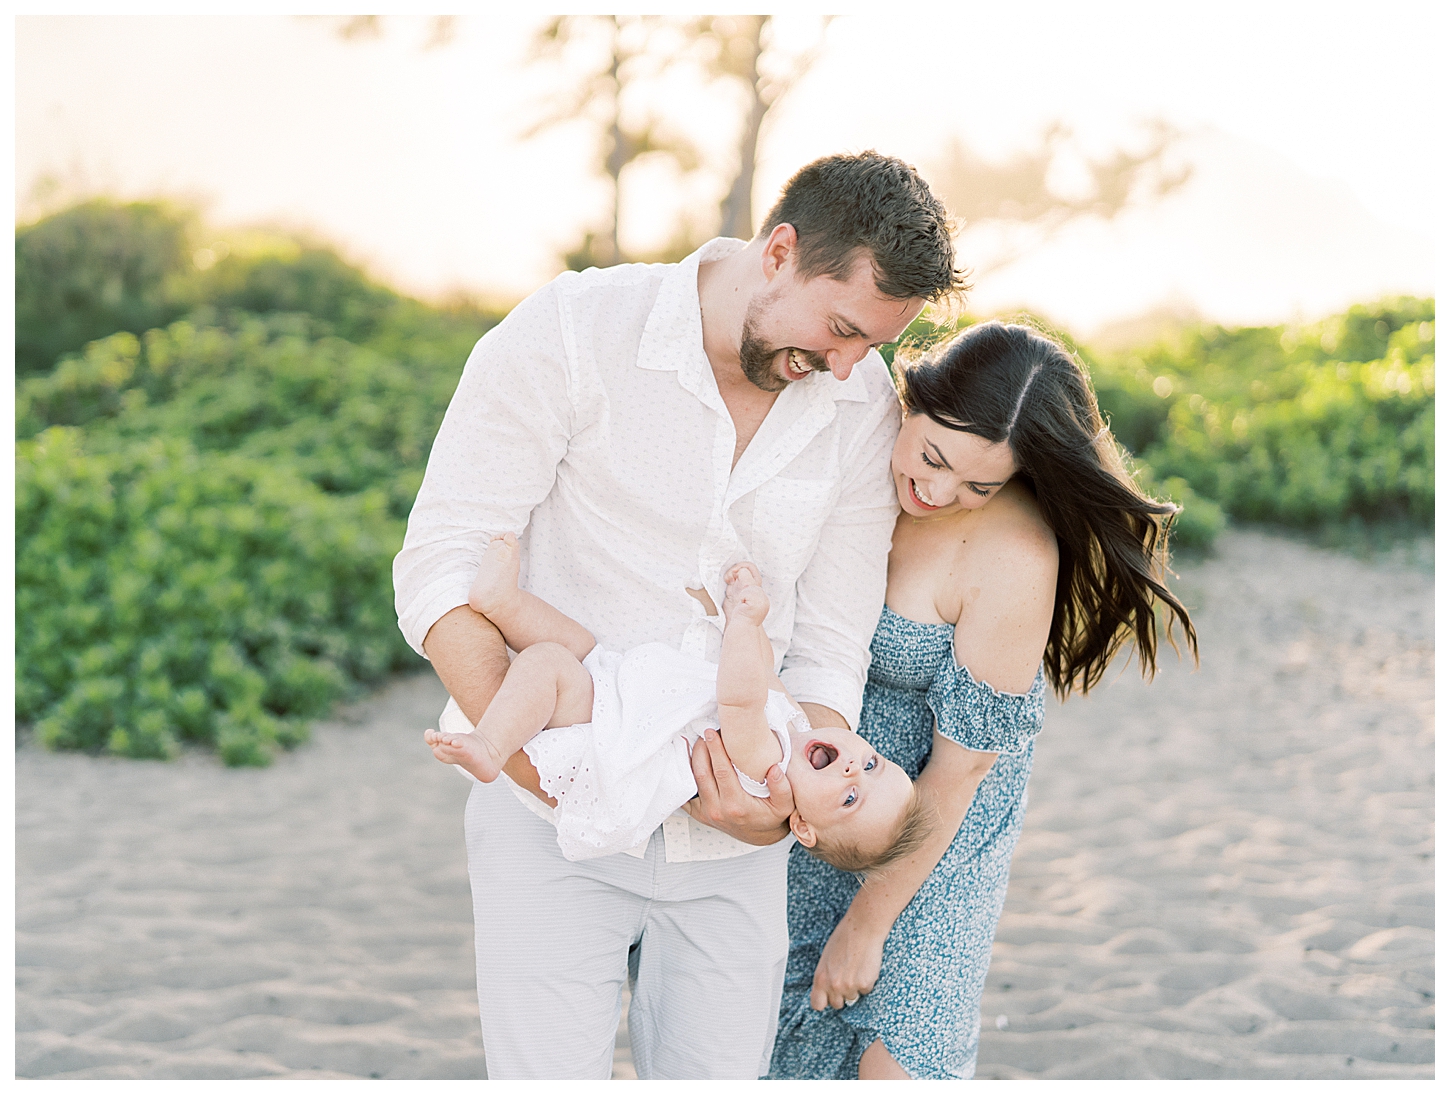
938, 470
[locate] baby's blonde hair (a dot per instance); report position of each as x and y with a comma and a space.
907, 835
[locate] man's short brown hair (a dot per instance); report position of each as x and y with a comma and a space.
840, 204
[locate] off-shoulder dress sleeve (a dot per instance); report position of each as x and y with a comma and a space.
976, 716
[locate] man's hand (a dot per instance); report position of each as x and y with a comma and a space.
723, 804
848, 967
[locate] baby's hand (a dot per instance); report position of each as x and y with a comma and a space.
745, 572
745, 597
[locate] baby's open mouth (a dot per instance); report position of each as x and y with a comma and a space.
820, 755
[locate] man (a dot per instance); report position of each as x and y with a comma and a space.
641, 428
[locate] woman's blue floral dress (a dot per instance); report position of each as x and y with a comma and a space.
925, 1006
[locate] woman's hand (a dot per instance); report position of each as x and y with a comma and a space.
723, 804
849, 965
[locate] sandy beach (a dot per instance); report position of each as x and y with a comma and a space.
1226, 874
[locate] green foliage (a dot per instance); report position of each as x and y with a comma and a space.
102, 267
1199, 519
1308, 426
345, 417
94, 269
166, 594
308, 279
206, 512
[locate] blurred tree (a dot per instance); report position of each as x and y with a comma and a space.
622, 56
614, 66
94, 269
741, 49
624, 52
359, 28
1027, 188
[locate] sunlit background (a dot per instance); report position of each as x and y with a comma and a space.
1278, 184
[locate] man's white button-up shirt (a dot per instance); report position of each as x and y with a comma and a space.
589, 423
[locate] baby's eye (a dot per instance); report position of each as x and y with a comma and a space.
871, 764
978, 490
929, 462
851, 797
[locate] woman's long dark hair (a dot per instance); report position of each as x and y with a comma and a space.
1009, 383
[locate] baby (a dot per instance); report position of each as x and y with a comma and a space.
609, 735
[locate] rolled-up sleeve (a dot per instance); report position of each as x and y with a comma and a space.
840, 592
976, 716
505, 431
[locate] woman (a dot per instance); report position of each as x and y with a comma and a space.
1024, 555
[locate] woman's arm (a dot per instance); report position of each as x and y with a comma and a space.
851, 959
1001, 632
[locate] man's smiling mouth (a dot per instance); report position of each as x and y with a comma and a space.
820, 755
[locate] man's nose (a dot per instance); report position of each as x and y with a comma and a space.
841, 362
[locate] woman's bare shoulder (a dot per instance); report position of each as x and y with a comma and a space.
1013, 537
1008, 592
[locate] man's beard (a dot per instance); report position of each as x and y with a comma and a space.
757, 358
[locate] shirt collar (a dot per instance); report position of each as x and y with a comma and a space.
673, 339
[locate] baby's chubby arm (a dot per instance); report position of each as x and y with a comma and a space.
746, 675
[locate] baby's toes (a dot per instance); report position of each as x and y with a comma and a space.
447, 743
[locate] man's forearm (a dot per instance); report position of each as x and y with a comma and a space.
470, 658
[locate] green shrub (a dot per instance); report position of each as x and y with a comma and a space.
102, 267
1308, 427
167, 595
1199, 519
345, 417
309, 279
206, 513
95, 269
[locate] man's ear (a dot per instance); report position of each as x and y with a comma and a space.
802, 829
779, 251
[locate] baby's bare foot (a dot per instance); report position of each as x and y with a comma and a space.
473, 752
496, 585
745, 597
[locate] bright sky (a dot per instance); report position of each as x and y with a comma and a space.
1312, 134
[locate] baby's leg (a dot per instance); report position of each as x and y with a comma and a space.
545, 686
521, 618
